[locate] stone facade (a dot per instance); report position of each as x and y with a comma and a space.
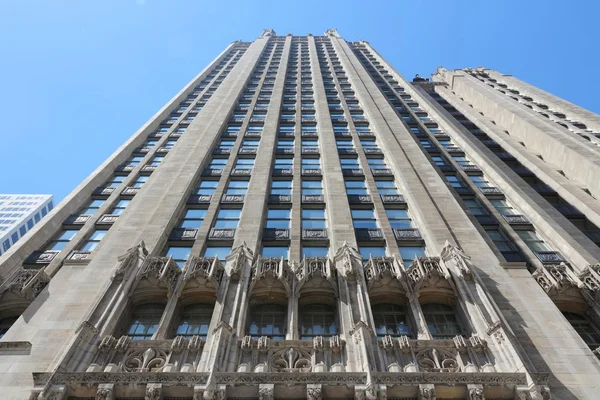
301, 222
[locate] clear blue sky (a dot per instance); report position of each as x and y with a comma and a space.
78, 77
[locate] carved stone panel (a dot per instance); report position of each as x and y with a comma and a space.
200, 199
41, 257
276, 234
212, 172
280, 199
313, 199
221, 233
183, 234
407, 234
352, 172
283, 172
77, 219
78, 257
392, 199
232, 198
368, 234
130, 191
241, 172
359, 199
107, 219
314, 234
516, 219
311, 172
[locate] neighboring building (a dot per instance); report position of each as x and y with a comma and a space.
301, 222
18, 214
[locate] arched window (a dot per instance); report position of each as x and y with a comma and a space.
5, 325
144, 321
390, 319
195, 320
268, 320
441, 321
583, 326
317, 320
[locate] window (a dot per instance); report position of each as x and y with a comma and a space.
170, 143
120, 207
314, 251
344, 144
312, 188
250, 144
281, 187
461, 160
278, 218
390, 319
193, 218
115, 181
61, 240
441, 321
91, 207
5, 325
503, 207
139, 182
311, 163
207, 187
399, 219
217, 163
285, 144
313, 219
226, 144
364, 218
479, 181
475, 207
533, 241
356, 187
268, 320
439, 161
367, 251
284, 163
377, 163
317, 320
584, 328
368, 144
275, 251
133, 161
228, 218
180, 254
92, 242
455, 181
217, 251
237, 187
409, 253
29, 223
502, 243
195, 320
244, 163
350, 163
156, 161
310, 144
22, 230
386, 187
144, 321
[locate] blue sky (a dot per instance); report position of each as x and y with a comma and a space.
78, 77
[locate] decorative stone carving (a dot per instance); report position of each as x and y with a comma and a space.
558, 280
427, 272
378, 268
131, 259
348, 260
427, 393
208, 271
476, 394
238, 259
265, 393
25, 283
452, 256
314, 394
153, 392
274, 267
104, 394
437, 360
160, 271
314, 268
291, 360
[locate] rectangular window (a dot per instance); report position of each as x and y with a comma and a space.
284, 163
226, 144
61, 241
275, 251
120, 207
386, 187
170, 143
399, 219
156, 161
368, 144
228, 218
503, 207
285, 144
313, 219
139, 182
133, 161
314, 251
237, 187
217, 251
479, 181
344, 144
410, 253
350, 163
364, 218
455, 181
281, 187
311, 163
180, 254
533, 241
193, 218
217, 163
91, 207
250, 144
312, 187
278, 218
92, 242
377, 163
310, 144
502, 243
244, 163
367, 251
207, 187
115, 181
356, 187
475, 207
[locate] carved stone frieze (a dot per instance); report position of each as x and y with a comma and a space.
238, 259
348, 261
161, 271
314, 268
272, 267
427, 272
208, 270
132, 259
25, 283
558, 280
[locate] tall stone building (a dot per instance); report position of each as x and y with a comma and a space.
301, 222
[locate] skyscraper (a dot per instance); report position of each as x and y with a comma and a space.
301, 222
18, 214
